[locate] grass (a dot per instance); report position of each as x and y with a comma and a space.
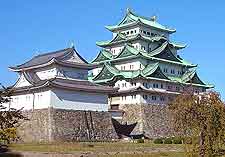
116, 149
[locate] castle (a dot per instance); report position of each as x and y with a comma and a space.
132, 78
144, 64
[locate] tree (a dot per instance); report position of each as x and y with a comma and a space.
202, 116
9, 117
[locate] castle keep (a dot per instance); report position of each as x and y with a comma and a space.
145, 65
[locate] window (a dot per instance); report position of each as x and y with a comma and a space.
123, 97
136, 46
131, 66
165, 70
27, 98
131, 32
123, 67
143, 47
155, 85
177, 88
148, 33
124, 84
127, 32
161, 85
154, 97
162, 98
145, 97
172, 71
135, 31
133, 96
133, 83
144, 32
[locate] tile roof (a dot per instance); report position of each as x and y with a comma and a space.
67, 56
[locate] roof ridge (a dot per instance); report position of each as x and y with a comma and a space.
53, 52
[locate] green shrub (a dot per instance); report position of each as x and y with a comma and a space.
158, 141
177, 140
140, 141
168, 141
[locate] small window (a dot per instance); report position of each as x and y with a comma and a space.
135, 31
127, 32
154, 97
161, 85
145, 97
133, 96
131, 66
148, 33
162, 98
165, 70
177, 88
131, 32
155, 85
172, 71
144, 32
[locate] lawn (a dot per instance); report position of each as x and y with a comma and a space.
117, 149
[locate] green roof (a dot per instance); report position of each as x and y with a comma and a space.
134, 19
120, 38
152, 71
103, 56
129, 52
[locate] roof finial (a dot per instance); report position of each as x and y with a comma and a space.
72, 45
128, 10
153, 18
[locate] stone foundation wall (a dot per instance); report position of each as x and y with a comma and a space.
153, 120
50, 125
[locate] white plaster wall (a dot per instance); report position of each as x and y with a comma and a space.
96, 71
47, 73
78, 100
22, 82
152, 30
134, 64
128, 99
149, 99
30, 101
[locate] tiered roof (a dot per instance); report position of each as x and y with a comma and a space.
161, 53
121, 39
66, 57
110, 74
132, 19
61, 82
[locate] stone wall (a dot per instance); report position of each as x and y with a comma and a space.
153, 120
51, 125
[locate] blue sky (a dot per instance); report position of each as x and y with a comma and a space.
31, 27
